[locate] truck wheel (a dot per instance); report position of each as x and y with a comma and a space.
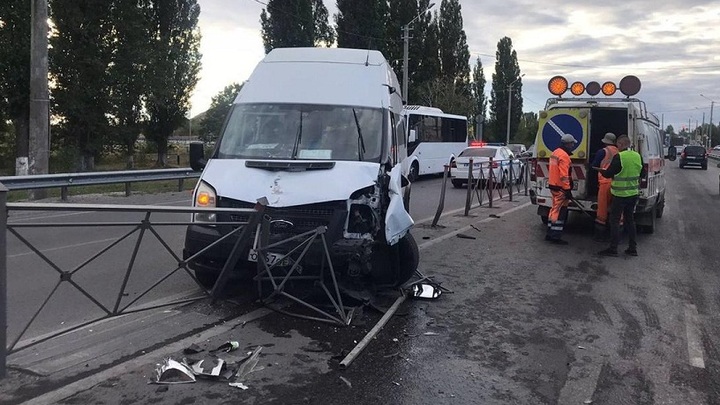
660, 207
414, 170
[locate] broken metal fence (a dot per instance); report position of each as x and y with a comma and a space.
514, 177
145, 228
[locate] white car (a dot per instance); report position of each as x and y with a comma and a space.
504, 165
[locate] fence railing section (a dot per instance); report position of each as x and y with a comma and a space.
127, 177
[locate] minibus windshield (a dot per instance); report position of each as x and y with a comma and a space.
301, 131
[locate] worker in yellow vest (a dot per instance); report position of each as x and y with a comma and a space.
626, 169
601, 162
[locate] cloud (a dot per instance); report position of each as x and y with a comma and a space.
671, 45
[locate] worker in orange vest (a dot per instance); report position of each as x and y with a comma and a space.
560, 185
604, 198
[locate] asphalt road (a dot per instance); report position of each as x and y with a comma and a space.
527, 322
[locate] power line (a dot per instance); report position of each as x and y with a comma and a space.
605, 67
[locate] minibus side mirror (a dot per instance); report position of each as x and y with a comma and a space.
413, 136
197, 156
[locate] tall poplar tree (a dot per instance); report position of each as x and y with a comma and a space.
15, 69
454, 52
80, 54
479, 106
172, 68
361, 25
507, 71
295, 23
128, 73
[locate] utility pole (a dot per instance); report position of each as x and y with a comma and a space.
710, 131
507, 141
406, 52
406, 57
39, 134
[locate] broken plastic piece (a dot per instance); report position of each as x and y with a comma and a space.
208, 367
173, 372
227, 347
248, 366
463, 236
239, 385
428, 291
192, 349
346, 381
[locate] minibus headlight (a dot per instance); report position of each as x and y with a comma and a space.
205, 197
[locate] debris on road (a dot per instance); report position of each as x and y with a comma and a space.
193, 349
249, 365
239, 385
431, 334
346, 381
426, 290
173, 372
227, 347
463, 236
495, 216
581, 347
208, 367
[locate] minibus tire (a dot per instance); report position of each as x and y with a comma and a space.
206, 279
409, 258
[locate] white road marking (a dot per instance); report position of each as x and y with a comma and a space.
681, 227
694, 342
469, 227
581, 383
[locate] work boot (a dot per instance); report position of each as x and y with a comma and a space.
631, 251
608, 252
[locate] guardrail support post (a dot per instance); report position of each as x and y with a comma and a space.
64, 193
181, 183
441, 205
3, 280
127, 189
512, 180
468, 199
491, 182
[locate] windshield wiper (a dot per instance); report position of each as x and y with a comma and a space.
298, 138
361, 141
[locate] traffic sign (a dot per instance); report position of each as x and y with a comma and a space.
557, 126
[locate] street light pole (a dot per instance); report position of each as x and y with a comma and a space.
406, 52
507, 141
712, 104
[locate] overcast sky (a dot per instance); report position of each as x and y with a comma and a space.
671, 45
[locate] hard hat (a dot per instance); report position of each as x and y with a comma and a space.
567, 138
609, 139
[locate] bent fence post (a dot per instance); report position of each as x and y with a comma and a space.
511, 182
441, 204
468, 198
3, 280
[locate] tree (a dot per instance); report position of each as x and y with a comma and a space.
527, 130
454, 52
15, 70
212, 123
479, 105
172, 68
507, 71
295, 23
128, 73
361, 25
444, 94
79, 58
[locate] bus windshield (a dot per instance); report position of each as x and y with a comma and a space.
301, 131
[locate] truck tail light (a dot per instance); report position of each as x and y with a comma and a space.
533, 169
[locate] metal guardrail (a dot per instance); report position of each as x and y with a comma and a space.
127, 177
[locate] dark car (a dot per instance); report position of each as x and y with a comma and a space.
694, 155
